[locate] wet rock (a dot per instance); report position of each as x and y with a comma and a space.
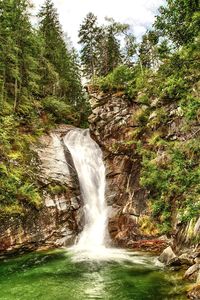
168, 257
152, 245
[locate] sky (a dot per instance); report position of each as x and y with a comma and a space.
140, 14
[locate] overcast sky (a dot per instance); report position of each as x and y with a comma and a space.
139, 13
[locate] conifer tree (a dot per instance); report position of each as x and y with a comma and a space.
90, 35
148, 54
60, 75
110, 55
17, 51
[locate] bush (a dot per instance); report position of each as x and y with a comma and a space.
61, 110
117, 80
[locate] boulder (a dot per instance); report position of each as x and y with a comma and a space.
192, 272
168, 257
186, 260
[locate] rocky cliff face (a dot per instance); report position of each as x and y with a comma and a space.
58, 221
111, 123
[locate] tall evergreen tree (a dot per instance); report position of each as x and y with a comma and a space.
109, 53
148, 54
60, 75
17, 51
90, 35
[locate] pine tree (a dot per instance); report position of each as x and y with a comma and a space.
110, 55
148, 53
90, 35
60, 73
18, 52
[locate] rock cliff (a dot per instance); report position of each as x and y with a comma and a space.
60, 218
114, 125
111, 123
58, 221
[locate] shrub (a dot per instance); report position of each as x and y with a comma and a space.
61, 110
117, 80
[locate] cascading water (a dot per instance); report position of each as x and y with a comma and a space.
88, 161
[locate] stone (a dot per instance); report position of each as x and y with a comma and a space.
154, 102
153, 115
192, 272
198, 278
52, 158
197, 260
75, 202
167, 256
185, 259
49, 202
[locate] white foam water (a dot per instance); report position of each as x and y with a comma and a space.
88, 162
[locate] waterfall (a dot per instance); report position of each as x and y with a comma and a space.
88, 162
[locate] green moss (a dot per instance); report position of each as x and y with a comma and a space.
56, 189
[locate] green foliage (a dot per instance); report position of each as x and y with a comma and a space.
18, 186
61, 111
179, 21
56, 189
101, 49
173, 88
190, 106
173, 176
117, 80
40, 85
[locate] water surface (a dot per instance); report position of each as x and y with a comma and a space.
56, 276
